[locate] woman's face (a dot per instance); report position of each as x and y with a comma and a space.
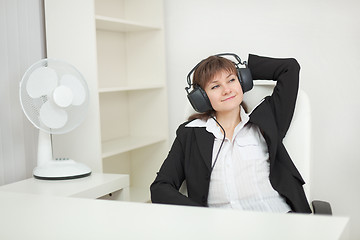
224, 92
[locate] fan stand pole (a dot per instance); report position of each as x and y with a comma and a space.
45, 155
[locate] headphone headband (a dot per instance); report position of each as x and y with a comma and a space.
219, 55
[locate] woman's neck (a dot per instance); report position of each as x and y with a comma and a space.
229, 120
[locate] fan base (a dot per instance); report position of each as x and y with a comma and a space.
61, 170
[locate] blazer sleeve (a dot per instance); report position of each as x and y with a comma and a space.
165, 188
286, 72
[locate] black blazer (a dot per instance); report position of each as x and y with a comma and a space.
191, 153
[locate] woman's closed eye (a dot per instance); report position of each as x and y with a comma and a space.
215, 86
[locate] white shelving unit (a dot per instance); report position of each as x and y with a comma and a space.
132, 89
127, 47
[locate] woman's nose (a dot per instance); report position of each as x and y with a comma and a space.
226, 90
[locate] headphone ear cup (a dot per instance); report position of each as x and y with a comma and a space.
199, 100
245, 78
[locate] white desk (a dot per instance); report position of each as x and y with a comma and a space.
97, 185
29, 216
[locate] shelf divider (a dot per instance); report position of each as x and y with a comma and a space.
130, 88
125, 144
121, 25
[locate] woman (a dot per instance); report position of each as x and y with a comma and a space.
230, 158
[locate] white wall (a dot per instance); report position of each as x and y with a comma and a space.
325, 38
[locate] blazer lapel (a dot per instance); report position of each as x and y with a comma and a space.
205, 142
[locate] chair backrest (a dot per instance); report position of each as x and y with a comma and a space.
298, 137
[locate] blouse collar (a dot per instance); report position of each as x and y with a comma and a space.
212, 127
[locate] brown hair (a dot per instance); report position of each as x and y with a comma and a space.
205, 72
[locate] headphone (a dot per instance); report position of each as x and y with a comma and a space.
198, 97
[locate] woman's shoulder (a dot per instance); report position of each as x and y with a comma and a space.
189, 125
183, 125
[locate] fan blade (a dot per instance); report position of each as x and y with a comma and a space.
41, 82
63, 96
76, 87
53, 116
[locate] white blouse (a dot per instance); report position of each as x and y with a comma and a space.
240, 178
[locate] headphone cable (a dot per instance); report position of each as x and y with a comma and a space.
222, 142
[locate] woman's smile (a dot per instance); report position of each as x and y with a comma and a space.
229, 98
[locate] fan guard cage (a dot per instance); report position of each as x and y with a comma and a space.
31, 106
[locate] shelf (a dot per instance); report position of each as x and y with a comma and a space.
125, 144
92, 187
121, 25
134, 88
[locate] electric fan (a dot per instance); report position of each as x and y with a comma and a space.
54, 97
